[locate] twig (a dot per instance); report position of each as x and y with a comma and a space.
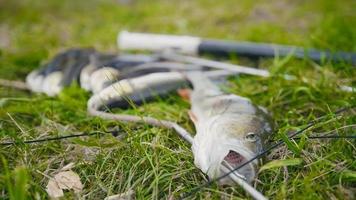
14, 84
147, 120
15, 122
50, 139
43, 174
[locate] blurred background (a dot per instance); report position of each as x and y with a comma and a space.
33, 30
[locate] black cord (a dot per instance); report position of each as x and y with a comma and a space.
312, 123
114, 133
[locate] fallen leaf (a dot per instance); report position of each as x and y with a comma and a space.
64, 180
69, 180
53, 189
123, 196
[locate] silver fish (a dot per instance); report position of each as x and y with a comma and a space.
144, 87
107, 76
61, 71
230, 129
103, 69
79, 65
136, 90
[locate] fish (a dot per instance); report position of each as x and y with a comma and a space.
110, 74
59, 72
230, 129
93, 70
103, 69
145, 87
136, 90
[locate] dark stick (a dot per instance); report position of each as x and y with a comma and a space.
256, 50
197, 46
53, 138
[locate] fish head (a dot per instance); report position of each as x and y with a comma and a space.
230, 141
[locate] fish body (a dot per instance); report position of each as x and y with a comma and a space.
230, 129
104, 70
61, 71
136, 90
144, 87
95, 71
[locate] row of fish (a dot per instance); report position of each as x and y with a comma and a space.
230, 129
90, 68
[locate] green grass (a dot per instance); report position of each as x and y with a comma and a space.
155, 162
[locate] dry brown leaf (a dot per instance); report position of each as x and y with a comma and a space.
69, 180
64, 180
53, 189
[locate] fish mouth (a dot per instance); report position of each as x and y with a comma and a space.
234, 160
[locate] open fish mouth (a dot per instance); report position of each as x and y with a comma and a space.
234, 160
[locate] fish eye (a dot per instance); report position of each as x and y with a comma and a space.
251, 137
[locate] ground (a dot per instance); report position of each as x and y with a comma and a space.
154, 162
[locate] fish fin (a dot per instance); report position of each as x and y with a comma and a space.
192, 116
184, 93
